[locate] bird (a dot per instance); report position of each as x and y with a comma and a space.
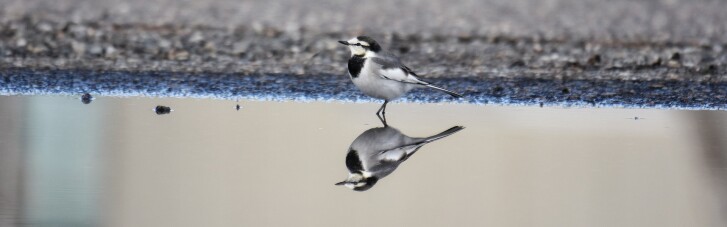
380, 74
377, 152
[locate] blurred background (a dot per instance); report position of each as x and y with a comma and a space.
648, 19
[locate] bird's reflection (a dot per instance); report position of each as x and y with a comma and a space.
378, 151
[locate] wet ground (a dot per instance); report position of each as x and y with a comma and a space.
115, 162
671, 94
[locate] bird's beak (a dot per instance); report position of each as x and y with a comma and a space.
341, 183
344, 43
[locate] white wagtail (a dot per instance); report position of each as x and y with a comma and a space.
380, 74
378, 151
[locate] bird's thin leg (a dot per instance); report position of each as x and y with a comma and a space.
381, 108
383, 120
382, 113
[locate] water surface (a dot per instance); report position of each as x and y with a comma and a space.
114, 162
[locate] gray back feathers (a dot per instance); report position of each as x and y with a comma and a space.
387, 60
390, 61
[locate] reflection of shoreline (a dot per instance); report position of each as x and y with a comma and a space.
11, 162
713, 136
51, 161
377, 152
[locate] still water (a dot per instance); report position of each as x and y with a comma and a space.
115, 162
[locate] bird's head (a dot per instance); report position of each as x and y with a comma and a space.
362, 45
358, 182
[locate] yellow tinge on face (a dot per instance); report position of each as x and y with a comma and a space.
355, 49
354, 177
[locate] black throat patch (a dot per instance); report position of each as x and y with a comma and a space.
355, 64
353, 162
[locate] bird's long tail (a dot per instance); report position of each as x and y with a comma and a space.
413, 148
453, 94
443, 134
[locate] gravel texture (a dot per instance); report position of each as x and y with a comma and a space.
327, 87
551, 41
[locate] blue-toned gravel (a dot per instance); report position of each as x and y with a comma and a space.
281, 87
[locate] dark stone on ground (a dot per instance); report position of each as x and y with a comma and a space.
160, 110
86, 98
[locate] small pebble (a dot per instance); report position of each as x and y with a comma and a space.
673, 63
162, 110
594, 60
86, 98
656, 63
518, 63
712, 68
676, 56
21, 42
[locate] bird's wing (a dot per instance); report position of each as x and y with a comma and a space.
400, 153
393, 69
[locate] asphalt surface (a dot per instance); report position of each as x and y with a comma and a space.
327, 87
548, 43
